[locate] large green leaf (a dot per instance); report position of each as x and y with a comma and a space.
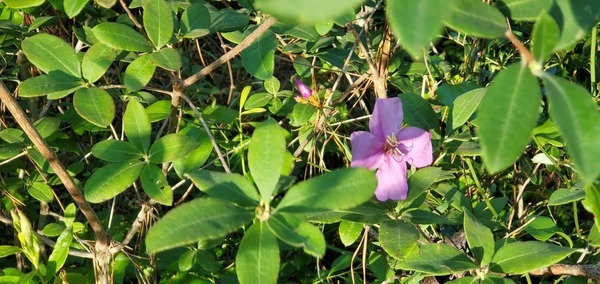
155, 185
544, 38
565, 196
50, 53
59, 252
158, 21
137, 125
477, 19
436, 259
522, 257
507, 115
257, 259
171, 147
479, 237
197, 220
47, 126
195, 21
116, 151
74, 7
464, 106
417, 22
41, 192
349, 231
305, 11
259, 58
298, 232
398, 238
94, 105
138, 73
418, 112
119, 36
524, 10
418, 183
167, 58
575, 113
592, 202
341, 189
110, 180
9, 250
266, 156
228, 187
20, 4
575, 19
198, 156
56, 84
226, 20
96, 61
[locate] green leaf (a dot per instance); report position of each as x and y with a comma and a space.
575, 19
9, 250
70, 214
522, 257
186, 260
480, 239
197, 220
155, 185
266, 156
418, 112
74, 7
226, 20
349, 231
53, 229
50, 53
398, 238
106, 3
110, 180
464, 106
195, 21
574, 111
96, 61
59, 252
507, 115
541, 228
418, 183
158, 21
424, 217
47, 126
308, 33
94, 105
138, 73
56, 84
565, 196
159, 110
544, 38
122, 37
171, 147
41, 192
137, 125
523, 10
592, 202
477, 19
305, 11
116, 151
20, 4
258, 100
297, 232
301, 114
272, 85
228, 187
337, 190
257, 259
167, 58
198, 156
436, 259
417, 22
259, 58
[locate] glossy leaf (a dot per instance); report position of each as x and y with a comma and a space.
41, 191
507, 115
158, 21
398, 238
522, 257
436, 259
259, 58
57, 84
50, 53
138, 73
341, 189
74, 7
60, 252
20, 4
9, 250
565, 196
257, 259
119, 36
417, 22
106, 3
298, 232
479, 237
349, 231
94, 105
195, 21
171, 147
575, 113
228, 187
524, 10
266, 156
465, 105
167, 58
110, 180
96, 61
307, 12
159, 110
544, 38
53, 229
199, 219
418, 112
137, 126
116, 151
155, 185
477, 19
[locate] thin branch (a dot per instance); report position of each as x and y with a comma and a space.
524, 51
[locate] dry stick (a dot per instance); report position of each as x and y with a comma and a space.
131, 16
379, 85
591, 271
524, 51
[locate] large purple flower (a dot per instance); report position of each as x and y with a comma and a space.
388, 147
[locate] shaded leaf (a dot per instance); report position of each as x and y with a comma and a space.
266, 156
110, 180
257, 259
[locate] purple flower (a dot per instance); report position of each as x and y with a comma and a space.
388, 148
305, 91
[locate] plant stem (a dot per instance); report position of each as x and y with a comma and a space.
593, 61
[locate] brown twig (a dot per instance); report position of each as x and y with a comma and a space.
378, 82
591, 271
524, 51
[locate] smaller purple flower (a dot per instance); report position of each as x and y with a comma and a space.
388, 147
305, 90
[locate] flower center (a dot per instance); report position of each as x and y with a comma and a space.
392, 147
